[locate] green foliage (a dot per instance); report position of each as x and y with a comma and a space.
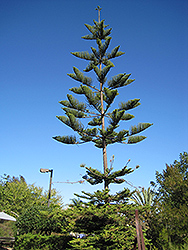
79, 76
17, 196
169, 222
93, 176
42, 242
175, 247
145, 197
73, 103
106, 226
104, 197
139, 128
41, 220
120, 80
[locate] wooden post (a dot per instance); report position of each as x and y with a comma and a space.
50, 186
139, 233
137, 229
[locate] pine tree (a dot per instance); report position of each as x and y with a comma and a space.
102, 124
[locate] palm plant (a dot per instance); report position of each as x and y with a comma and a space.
145, 197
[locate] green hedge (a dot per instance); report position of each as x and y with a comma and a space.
38, 242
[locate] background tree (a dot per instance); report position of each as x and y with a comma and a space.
101, 127
169, 223
28, 204
16, 195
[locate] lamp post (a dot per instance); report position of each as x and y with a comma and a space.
44, 170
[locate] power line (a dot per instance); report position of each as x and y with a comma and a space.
71, 182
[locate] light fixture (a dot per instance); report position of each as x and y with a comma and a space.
45, 170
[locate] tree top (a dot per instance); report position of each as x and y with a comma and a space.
99, 10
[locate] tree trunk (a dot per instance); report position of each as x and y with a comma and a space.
104, 150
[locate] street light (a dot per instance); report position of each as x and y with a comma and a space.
44, 170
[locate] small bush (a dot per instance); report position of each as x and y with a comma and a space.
42, 242
41, 220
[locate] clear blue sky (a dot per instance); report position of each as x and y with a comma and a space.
36, 38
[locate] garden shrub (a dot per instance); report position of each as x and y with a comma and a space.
41, 220
42, 242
